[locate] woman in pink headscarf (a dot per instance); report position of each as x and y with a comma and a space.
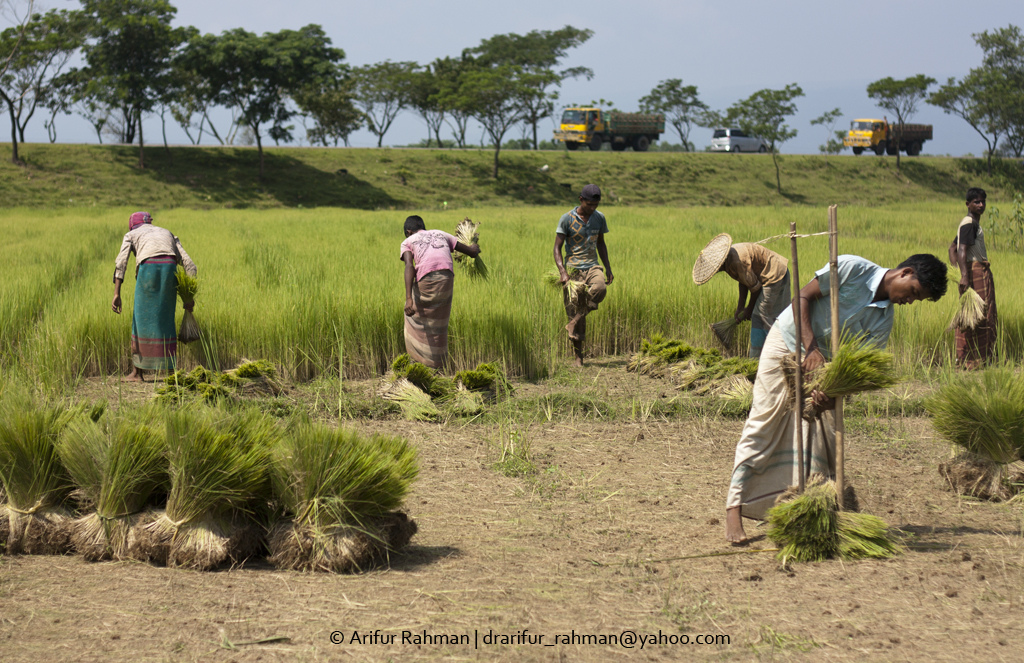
157, 256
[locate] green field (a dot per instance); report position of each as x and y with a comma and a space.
317, 289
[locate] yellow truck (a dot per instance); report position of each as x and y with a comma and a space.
594, 127
884, 138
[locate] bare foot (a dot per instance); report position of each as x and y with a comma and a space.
734, 533
135, 376
578, 362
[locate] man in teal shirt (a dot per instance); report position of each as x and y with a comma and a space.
582, 231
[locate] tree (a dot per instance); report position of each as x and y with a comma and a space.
330, 102
763, 114
448, 74
424, 96
680, 105
19, 17
492, 95
383, 90
35, 53
900, 98
537, 54
256, 74
978, 100
833, 139
1004, 60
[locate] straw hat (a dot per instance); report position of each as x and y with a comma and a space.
711, 258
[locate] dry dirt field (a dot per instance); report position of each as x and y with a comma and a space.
619, 531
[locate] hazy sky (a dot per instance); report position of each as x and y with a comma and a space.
727, 49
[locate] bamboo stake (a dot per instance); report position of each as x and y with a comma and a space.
833, 269
799, 369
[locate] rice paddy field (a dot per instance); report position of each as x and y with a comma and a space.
587, 504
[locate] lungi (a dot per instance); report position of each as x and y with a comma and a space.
597, 288
766, 455
154, 340
771, 302
975, 346
426, 331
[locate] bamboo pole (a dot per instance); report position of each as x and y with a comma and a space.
799, 409
833, 269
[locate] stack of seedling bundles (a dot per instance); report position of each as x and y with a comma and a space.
117, 465
248, 379
705, 374
219, 490
33, 515
337, 490
423, 394
658, 353
983, 415
858, 365
809, 527
467, 233
188, 286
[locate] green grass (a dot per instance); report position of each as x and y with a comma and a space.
425, 179
312, 290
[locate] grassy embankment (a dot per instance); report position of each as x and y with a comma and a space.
315, 290
418, 179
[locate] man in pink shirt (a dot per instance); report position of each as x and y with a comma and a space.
429, 285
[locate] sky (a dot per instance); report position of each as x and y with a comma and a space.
729, 50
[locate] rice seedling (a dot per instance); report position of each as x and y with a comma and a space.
725, 331
858, 365
415, 403
338, 490
487, 376
809, 527
464, 402
704, 373
35, 482
218, 471
467, 233
188, 286
658, 352
255, 369
116, 467
736, 397
982, 414
970, 310
575, 290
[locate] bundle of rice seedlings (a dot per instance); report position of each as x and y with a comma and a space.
858, 365
218, 473
981, 477
199, 382
255, 369
809, 527
575, 290
970, 311
983, 414
339, 490
736, 397
401, 365
116, 467
188, 286
487, 376
464, 402
703, 373
35, 482
415, 403
466, 233
657, 353
725, 331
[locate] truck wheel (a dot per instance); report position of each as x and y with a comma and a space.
572, 146
858, 151
641, 144
595, 144
913, 149
892, 149
880, 149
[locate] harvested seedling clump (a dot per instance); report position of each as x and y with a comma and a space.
188, 286
658, 353
468, 233
339, 491
970, 311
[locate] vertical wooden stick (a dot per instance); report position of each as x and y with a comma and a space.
833, 269
799, 409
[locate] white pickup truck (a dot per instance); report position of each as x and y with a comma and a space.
735, 140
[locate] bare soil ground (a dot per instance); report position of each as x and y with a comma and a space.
620, 529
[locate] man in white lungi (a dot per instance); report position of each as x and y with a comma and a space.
766, 455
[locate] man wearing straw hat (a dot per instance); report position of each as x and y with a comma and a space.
582, 231
766, 464
761, 273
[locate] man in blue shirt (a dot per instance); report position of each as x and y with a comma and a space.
766, 456
581, 231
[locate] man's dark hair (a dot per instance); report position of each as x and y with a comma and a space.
414, 223
930, 272
976, 193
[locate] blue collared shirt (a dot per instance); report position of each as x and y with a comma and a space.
858, 315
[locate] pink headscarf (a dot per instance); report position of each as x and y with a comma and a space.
138, 219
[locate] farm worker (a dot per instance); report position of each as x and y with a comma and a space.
157, 256
582, 231
766, 457
762, 274
974, 346
429, 284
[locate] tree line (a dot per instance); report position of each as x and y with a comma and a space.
136, 64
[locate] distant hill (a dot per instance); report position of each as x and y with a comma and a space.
215, 177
